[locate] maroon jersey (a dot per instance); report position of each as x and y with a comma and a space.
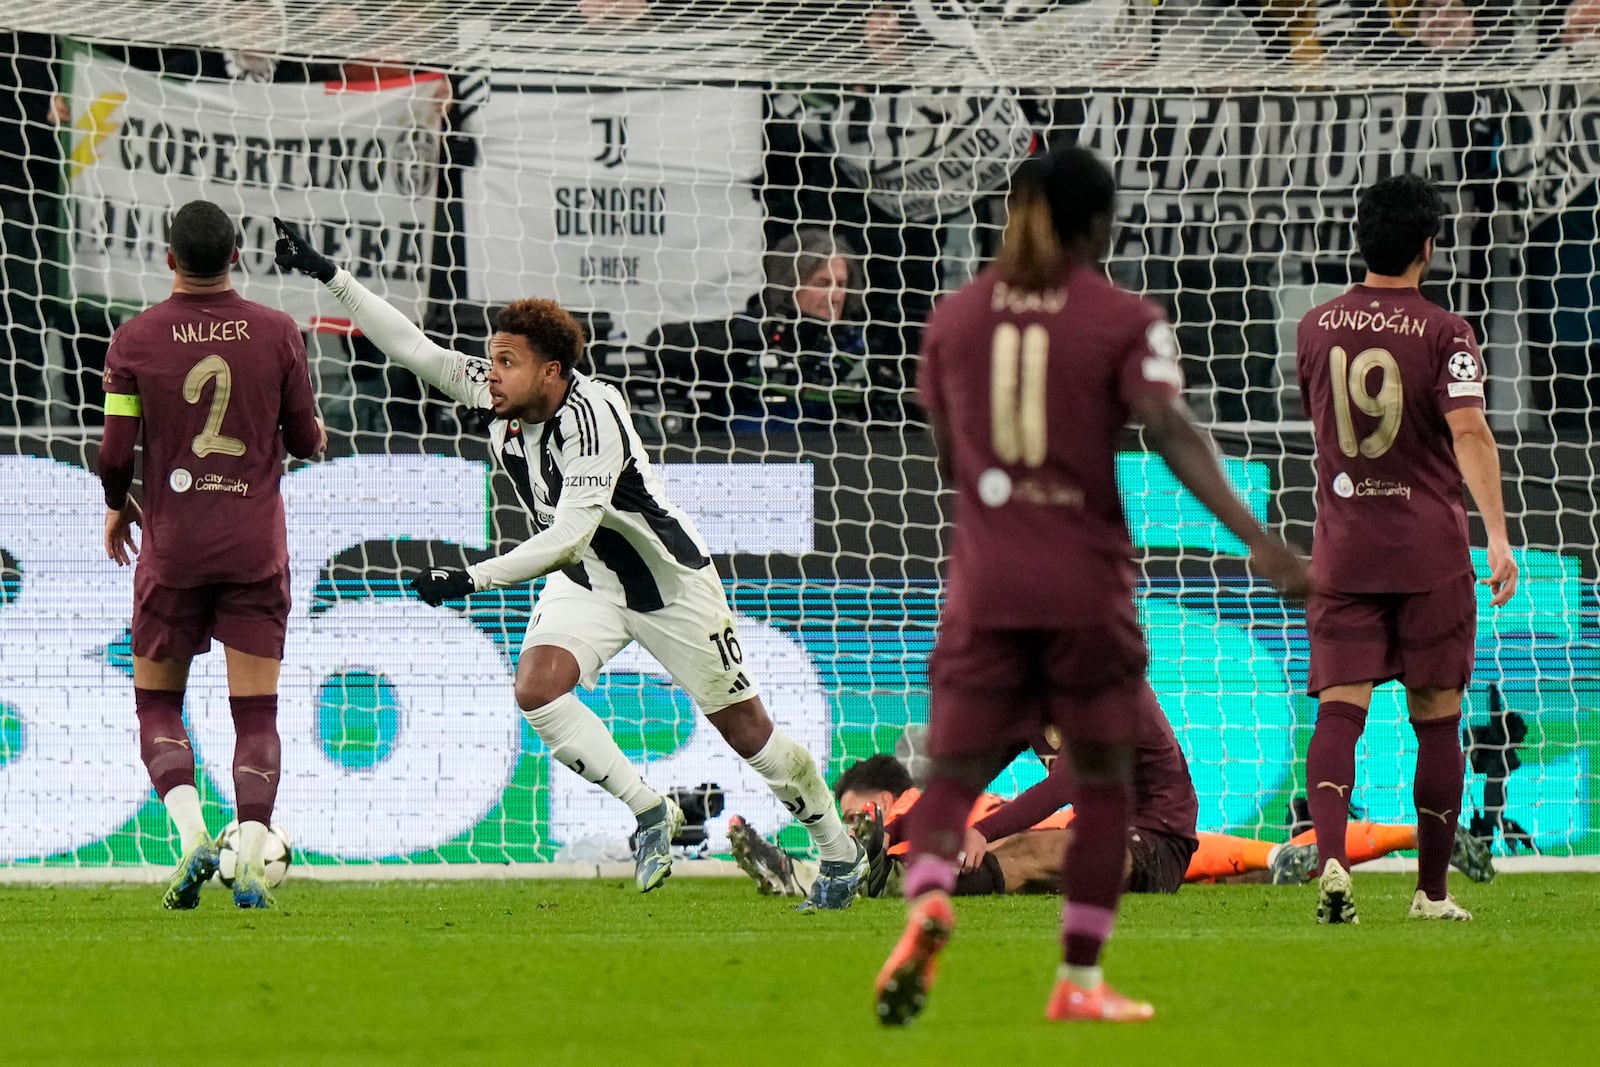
219, 380
1164, 800
1378, 370
1033, 391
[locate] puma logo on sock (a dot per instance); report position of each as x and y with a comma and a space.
1442, 816
267, 775
1335, 786
182, 742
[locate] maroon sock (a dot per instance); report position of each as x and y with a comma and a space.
938, 825
1331, 775
1436, 791
1093, 871
255, 756
163, 742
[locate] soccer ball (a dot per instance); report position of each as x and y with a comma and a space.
276, 854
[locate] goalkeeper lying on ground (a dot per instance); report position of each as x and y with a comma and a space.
1019, 845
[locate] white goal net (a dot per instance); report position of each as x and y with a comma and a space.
752, 205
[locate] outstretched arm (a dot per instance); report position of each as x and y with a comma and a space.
1188, 454
1039, 801
562, 545
1479, 461
459, 376
593, 455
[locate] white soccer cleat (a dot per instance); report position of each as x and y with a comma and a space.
1447, 909
1335, 903
652, 851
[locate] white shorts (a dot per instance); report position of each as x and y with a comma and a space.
693, 637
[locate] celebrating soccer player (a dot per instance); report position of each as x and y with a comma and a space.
623, 564
1029, 375
1394, 386
220, 388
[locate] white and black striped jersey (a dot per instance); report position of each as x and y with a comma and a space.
600, 513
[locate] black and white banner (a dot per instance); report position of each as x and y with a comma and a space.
1236, 175
354, 165
918, 154
642, 203
1551, 144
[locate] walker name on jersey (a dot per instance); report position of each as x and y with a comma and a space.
188, 333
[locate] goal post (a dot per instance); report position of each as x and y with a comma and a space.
751, 206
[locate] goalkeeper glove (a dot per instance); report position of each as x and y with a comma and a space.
436, 586
294, 252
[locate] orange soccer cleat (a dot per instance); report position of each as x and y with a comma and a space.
1070, 1002
907, 975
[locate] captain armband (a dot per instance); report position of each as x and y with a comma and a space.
124, 404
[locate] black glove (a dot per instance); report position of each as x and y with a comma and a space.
436, 586
294, 252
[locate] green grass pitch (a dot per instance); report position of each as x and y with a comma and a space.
706, 972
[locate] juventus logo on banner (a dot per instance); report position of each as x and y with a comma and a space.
615, 151
614, 163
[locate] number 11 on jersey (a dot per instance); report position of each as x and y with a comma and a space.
1017, 362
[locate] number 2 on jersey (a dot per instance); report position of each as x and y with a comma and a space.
1349, 381
1017, 361
212, 439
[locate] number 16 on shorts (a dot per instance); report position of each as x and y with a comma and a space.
726, 643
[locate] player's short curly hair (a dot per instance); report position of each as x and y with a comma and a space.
547, 327
875, 774
202, 239
1394, 219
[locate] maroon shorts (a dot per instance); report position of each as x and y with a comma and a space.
1159, 860
1424, 639
175, 623
994, 689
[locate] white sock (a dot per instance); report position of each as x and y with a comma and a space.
792, 775
252, 841
805, 874
1085, 978
183, 805
578, 739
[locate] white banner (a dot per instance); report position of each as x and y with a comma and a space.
639, 203
353, 165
